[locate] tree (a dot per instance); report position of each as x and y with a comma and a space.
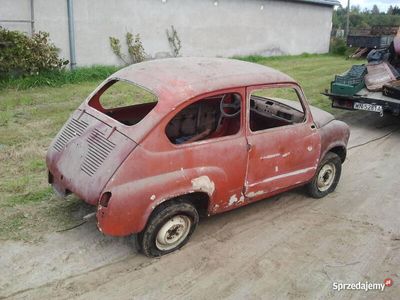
375, 10
355, 9
364, 19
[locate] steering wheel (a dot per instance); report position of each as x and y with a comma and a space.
232, 106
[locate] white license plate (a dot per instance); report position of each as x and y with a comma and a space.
368, 107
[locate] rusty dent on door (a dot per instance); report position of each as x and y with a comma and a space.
216, 135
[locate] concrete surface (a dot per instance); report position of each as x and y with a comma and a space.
234, 27
286, 247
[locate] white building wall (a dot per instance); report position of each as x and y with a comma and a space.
233, 27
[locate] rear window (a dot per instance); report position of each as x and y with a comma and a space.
123, 101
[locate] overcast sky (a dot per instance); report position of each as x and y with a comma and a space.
382, 4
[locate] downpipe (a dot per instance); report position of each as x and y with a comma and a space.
71, 34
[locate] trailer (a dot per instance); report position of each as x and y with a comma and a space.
367, 101
374, 86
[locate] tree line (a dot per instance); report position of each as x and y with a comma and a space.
366, 18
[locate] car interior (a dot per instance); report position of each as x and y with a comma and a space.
268, 113
210, 117
207, 118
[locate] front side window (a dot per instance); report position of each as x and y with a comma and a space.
208, 118
124, 101
275, 107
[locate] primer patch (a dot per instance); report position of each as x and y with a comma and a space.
204, 184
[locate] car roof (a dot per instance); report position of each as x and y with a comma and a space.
179, 79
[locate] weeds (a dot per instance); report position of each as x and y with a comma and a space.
174, 41
135, 48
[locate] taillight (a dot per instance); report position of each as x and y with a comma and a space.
104, 199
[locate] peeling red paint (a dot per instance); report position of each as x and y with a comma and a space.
141, 168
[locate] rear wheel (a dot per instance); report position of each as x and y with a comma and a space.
168, 229
327, 176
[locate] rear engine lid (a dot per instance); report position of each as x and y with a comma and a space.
85, 154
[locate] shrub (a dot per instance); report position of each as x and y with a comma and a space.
338, 46
23, 55
174, 41
135, 48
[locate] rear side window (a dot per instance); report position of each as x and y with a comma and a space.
123, 101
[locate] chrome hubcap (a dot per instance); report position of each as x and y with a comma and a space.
326, 177
173, 232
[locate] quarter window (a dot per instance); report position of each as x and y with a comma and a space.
123, 101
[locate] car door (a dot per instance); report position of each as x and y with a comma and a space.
280, 154
186, 153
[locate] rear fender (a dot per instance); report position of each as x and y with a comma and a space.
132, 203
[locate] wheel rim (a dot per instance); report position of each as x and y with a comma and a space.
326, 176
173, 232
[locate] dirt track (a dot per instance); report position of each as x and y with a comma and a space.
290, 246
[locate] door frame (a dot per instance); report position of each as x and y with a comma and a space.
308, 121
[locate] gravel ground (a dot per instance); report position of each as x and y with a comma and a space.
289, 246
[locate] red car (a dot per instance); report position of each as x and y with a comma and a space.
208, 136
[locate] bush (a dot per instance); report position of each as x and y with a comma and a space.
135, 48
23, 55
338, 46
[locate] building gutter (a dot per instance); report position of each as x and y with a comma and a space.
71, 34
32, 17
321, 2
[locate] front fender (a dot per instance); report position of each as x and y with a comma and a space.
131, 203
334, 134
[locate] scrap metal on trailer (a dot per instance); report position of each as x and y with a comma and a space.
374, 86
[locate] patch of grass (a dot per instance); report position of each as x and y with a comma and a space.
36, 164
262, 59
12, 225
30, 118
57, 78
33, 117
36, 196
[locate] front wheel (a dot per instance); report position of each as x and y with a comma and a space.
169, 228
327, 176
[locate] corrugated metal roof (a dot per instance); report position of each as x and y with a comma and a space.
323, 2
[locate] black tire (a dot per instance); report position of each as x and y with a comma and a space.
315, 187
172, 214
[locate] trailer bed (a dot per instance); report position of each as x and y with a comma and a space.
366, 100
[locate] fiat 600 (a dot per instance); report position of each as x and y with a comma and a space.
161, 142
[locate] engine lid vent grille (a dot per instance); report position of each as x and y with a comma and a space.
98, 150
74, 128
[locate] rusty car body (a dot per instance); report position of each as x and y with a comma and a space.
206, 146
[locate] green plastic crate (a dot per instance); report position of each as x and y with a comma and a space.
346, 89
350, 82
